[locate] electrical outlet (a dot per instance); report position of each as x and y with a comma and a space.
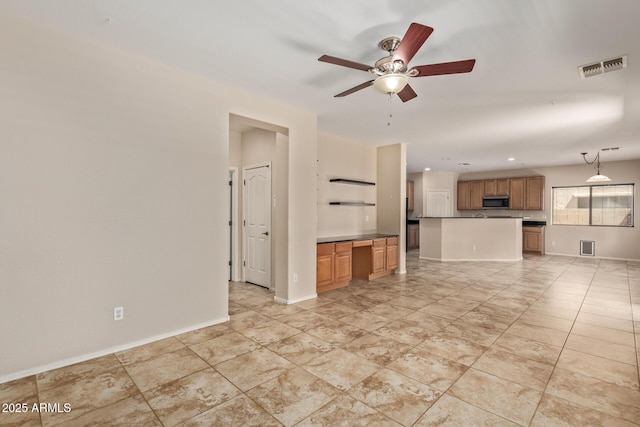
118, 313
295, 277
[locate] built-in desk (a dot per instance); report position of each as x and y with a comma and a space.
367, 257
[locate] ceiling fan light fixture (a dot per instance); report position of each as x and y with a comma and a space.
391, 82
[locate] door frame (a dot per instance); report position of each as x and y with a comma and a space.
234, 219
268, 165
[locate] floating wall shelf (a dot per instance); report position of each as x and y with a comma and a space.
352, 204
351, 181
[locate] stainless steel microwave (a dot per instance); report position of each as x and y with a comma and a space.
495, 202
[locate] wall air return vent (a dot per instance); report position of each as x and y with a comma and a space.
602, 67
587, 247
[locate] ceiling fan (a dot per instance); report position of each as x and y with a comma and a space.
393, 71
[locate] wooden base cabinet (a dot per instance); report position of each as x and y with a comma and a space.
333, 265
413, 236
533, 240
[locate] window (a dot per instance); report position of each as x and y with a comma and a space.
610, 205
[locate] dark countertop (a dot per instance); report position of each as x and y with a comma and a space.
533, 223
352, 238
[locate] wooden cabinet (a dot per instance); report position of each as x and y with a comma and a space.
333, 265
378, 255
337, 263
470, 195
463, 201
533, 240
526, 194
324, 266
391, 260
476, 192
496, 187
516, 193
413, 236
410, 196
534, 193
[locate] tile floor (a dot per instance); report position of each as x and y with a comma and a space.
549, 341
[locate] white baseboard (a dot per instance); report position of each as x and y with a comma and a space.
472, 259
294, 301
83, 358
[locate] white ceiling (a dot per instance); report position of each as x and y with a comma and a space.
524, 98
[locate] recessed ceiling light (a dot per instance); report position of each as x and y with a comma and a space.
511, 159
446, 158
464, 164
427, 169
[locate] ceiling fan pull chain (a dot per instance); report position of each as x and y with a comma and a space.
390, 110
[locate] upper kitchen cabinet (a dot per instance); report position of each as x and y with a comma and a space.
470, 195
496, 187
526, 193
534, 194
410, 196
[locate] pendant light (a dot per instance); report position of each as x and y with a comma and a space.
597, 177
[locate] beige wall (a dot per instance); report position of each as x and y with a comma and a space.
391, 194
343, 158
611, 242
113, 181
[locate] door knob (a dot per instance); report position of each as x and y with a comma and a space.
266, 233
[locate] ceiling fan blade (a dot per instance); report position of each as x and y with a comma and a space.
344, 62
454, 67
354, 89
413, 40
407, 94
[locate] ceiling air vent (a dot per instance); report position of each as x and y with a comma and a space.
602, 67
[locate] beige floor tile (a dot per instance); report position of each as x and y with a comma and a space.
403, 331
134, 411
238, 411
477, 334
504, 398
269, 332
204, 334
336, 332
251, 369
538, 333
87, 393
517, 369
293, 396
334, 310
605, 322
365, 320
451, 412
304, 320
553, 411
618, 373
23, 392
338, 368
396, 396
301, 348
531, 349
392, 312
430, 369
77, 372
187, 397
147, 351
615, 400
165, 368
452, 347
224, 347
247, 319
615, 336
550, 322
377, 349
345, 411
617, 352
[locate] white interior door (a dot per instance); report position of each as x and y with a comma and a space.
257, 225
438, 203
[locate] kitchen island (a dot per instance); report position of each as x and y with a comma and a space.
471, 239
